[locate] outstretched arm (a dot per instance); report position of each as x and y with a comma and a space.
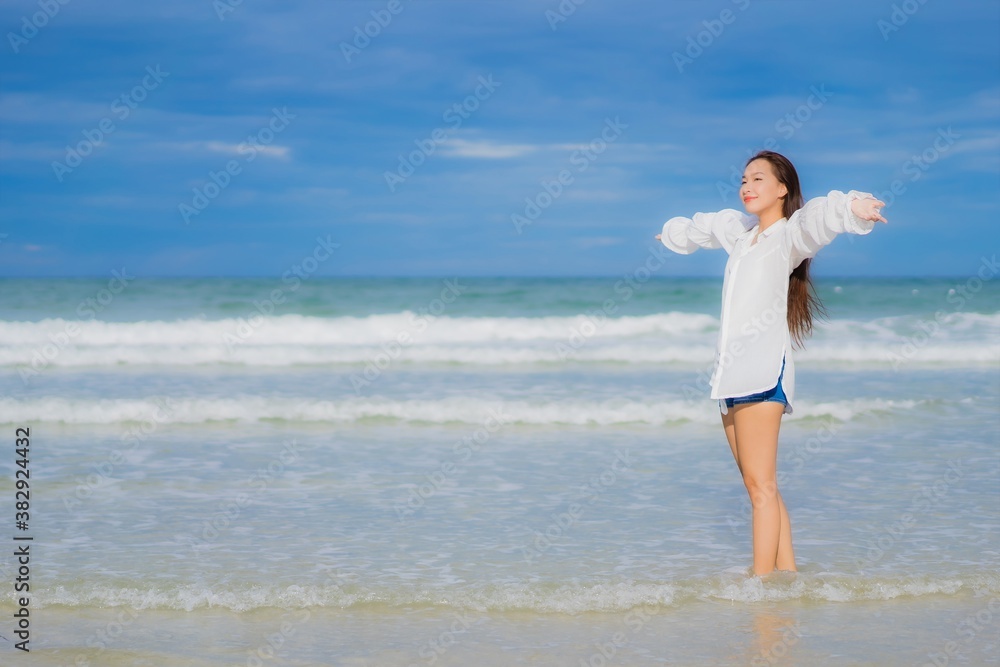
821, 219
705, 230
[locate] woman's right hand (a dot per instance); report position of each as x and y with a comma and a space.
868, 209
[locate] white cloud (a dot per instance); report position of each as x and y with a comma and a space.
270, 150
485, 149
988, 144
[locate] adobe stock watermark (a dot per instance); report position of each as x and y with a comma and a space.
231, 509
700, 42
113, 631
786, 126
463, 450
220, 180
918, 164
562, 12
293, 278
87, 309
968, 628
225, 7
437, 646
104, 471
580, 159
588, 494
629, 284
899, 16
884, 538
777, 652
606, 652
799, 456
392, 349
335, 582
272, 645
31, 25
958, 296
453, 117
121, 108
363, 35
776, 314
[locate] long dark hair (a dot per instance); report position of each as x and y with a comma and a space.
803, 302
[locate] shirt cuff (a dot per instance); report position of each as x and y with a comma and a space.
667, 240
853, 223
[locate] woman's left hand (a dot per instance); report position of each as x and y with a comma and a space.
868, 209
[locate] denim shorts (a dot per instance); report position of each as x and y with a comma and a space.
776, 394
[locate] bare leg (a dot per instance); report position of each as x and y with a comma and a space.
729, 425
786, 555
756, 428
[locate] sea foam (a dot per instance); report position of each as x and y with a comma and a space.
452, 410
567, 598
683, 339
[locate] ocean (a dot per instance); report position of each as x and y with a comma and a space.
474, 471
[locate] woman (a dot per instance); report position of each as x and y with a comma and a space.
767, 304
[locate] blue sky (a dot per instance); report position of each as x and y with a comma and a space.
413, 147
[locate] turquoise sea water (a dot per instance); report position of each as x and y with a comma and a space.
416, 471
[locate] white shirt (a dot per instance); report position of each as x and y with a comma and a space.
753, 332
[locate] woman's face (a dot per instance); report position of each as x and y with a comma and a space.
761, 191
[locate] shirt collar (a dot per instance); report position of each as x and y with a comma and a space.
773, 228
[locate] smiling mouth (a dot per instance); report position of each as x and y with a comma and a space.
746, 199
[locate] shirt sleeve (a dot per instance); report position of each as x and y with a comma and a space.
705, 230
820, 221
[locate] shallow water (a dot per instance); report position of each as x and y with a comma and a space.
211, 491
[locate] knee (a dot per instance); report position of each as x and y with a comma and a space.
761, 491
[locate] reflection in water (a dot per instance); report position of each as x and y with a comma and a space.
776, 634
